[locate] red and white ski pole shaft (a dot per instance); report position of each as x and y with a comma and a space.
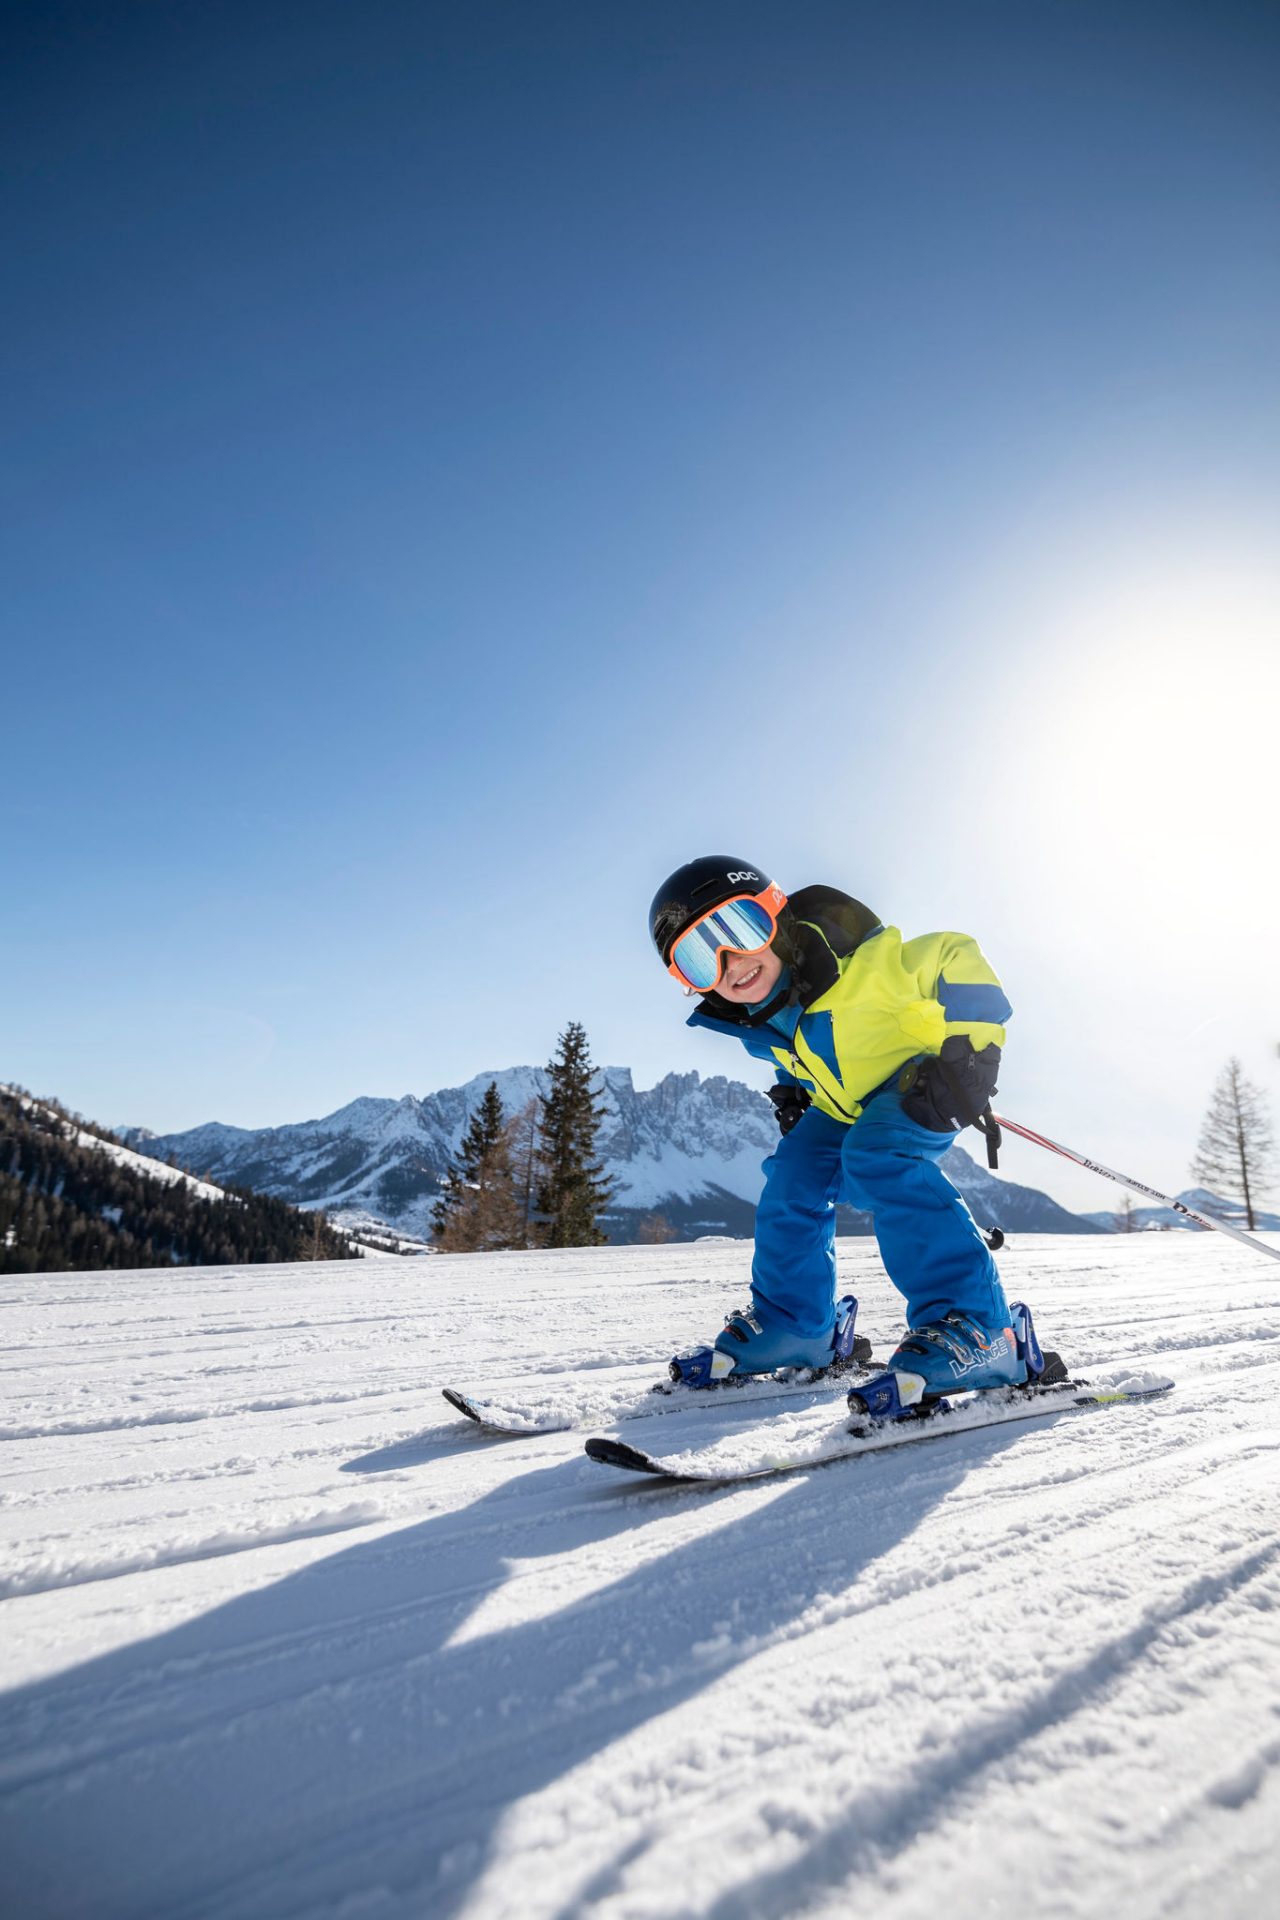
1138, 1186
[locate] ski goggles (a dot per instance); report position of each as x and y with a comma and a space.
745, 924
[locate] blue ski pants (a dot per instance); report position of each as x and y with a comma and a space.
887, 1166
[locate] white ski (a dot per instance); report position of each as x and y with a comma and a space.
587, 1402
794, 1438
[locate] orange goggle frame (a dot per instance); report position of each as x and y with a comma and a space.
719, 931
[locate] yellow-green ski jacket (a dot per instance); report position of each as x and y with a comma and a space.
860, 1001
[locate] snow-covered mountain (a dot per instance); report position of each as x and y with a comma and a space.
1199, 1198
690, 1149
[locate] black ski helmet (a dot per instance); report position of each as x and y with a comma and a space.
694, 889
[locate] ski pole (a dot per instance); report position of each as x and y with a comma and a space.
1126, 1180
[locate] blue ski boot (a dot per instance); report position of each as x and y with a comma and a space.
952, 1355
752, 1345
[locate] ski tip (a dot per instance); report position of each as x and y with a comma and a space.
616, 1453
460, 1403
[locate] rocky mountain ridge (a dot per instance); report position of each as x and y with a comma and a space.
688, 1148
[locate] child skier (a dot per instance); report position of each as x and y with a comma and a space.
884, 1050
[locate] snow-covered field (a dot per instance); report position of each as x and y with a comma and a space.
282, 1636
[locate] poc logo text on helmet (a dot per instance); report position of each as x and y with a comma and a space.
734, 878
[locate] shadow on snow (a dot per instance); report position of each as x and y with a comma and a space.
336, 1734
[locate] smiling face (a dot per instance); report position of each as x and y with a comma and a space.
749, 978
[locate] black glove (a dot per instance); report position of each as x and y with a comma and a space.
952, 1089
790, 1102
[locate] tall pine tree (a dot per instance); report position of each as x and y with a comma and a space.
478, 1208
571, 1190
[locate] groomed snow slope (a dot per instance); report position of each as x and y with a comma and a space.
284, 1637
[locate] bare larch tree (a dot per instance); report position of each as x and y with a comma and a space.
1236, 1154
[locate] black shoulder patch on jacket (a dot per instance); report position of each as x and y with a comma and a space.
843, 921
818, 927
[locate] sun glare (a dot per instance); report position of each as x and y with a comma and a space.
1148, 726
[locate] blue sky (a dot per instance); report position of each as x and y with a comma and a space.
461, 463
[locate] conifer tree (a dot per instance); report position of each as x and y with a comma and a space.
66, 1206
1236, 1154
478, 1207
571, 1191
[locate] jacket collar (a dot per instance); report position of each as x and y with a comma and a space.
715, 1012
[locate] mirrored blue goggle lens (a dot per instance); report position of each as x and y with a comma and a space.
742, 924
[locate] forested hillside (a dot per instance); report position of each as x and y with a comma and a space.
74, 1198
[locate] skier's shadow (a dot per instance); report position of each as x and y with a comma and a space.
433, 1443
367, 1722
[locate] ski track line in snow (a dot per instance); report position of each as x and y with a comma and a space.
187, 1416
237, 1466
43, 1576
